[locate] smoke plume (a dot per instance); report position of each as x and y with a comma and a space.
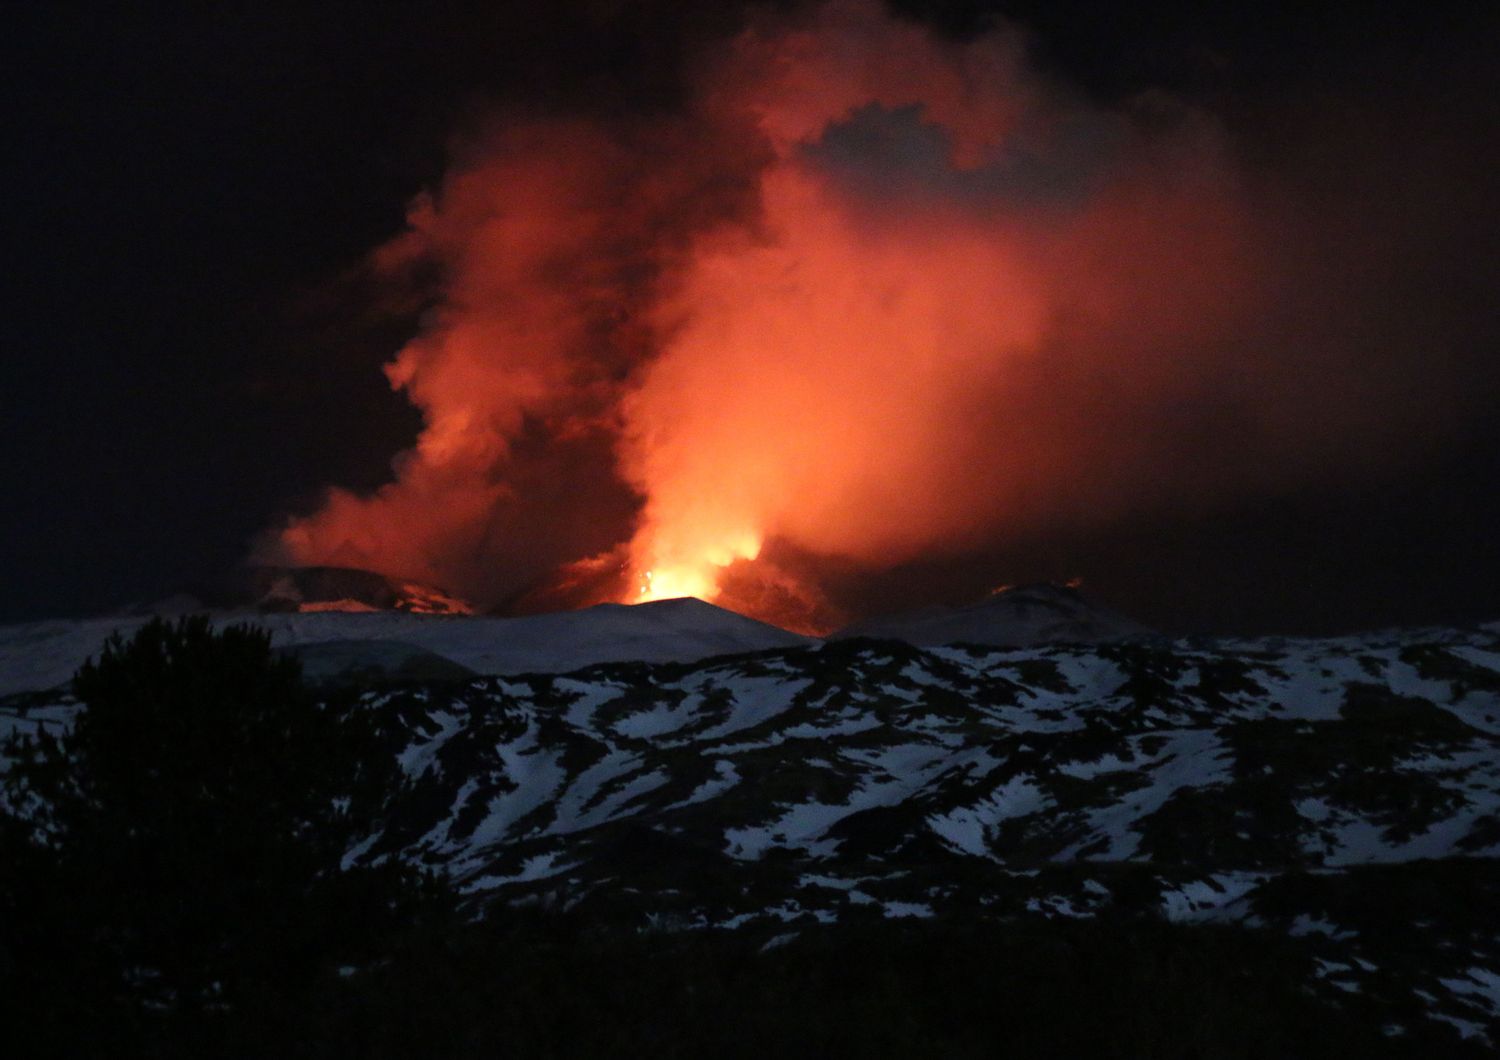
867, 294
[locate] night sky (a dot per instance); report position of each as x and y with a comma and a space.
190, 354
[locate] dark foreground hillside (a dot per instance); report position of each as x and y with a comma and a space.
538, 985
550, 985
1251, 848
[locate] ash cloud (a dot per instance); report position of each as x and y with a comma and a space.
868, 294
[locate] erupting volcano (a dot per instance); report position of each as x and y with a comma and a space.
864, 294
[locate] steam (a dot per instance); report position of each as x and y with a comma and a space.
869, 295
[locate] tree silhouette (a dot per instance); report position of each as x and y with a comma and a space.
178, 849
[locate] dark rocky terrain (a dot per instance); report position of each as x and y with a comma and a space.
1338, 796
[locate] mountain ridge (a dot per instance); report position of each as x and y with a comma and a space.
1293, 785
1011, 616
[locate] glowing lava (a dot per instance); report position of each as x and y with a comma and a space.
674, 584
697, 574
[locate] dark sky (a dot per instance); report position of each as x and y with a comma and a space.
185, 185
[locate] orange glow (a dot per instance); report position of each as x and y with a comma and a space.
674, 584
691, 565
871, 295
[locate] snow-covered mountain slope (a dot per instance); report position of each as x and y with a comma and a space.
345, 662
324, 611
41, 655
1287, 784
1344, 792
1016, 617
1242, 757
